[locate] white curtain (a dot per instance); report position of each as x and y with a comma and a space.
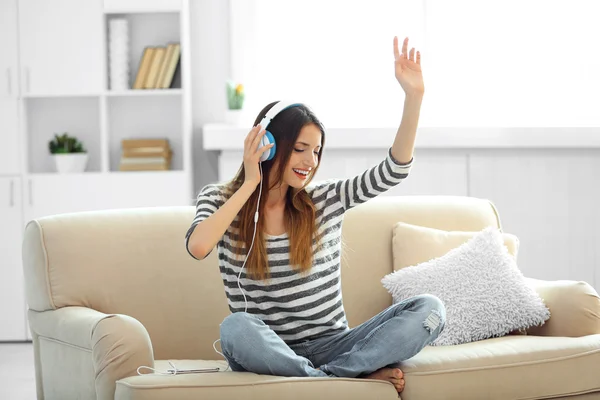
485, 63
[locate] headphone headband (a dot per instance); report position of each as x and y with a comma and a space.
264, 123
276, 109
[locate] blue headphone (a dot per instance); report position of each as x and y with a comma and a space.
268, 136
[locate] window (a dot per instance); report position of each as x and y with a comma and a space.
512, 63
492, 63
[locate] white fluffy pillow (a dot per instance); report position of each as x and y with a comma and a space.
484, 292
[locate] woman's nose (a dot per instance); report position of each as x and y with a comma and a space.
312, 162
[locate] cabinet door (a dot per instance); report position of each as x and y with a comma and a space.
51, 194
12, 291
61, 46
9, 131
9, 91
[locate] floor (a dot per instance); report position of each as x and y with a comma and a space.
17, 374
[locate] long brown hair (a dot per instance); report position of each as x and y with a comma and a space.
299, 211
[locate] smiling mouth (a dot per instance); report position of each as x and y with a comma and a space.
299, 174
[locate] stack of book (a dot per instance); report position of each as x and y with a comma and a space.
159, 68
145, 155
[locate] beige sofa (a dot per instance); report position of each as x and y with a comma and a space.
114, 290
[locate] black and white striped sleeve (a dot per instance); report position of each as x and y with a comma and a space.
208, 201
371, 183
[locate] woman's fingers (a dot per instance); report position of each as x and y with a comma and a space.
252, 133
396, 51
257, 139
253, 140
265, 148
249, 146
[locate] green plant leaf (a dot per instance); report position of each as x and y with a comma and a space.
63, 144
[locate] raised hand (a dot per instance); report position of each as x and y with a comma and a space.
408, 68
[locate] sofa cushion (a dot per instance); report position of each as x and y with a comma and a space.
510, 367
484, 292
244, 385
414, 244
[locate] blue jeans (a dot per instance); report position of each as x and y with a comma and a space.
394, 335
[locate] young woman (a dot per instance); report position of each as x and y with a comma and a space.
285, 297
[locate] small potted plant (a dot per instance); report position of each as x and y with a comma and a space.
235, 102
68, 153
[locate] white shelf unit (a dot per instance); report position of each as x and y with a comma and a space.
144, 93
44, 116
55, 79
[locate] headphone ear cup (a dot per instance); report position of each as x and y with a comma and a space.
266, 140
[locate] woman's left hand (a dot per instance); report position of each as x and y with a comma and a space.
408, 69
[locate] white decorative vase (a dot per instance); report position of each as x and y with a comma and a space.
70, 162
234, 117
118, 54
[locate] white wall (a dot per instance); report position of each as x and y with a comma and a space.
484, 99
210, 70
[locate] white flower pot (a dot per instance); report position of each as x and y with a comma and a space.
70, 162
234, 117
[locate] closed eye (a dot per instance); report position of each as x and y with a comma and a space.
301, 151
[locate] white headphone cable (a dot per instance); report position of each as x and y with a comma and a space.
242, 268
171, 372
174, 371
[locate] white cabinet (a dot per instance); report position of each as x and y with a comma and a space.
54, 71
51, 194
12, 293
9, 136
9, 89
60, 43
9, 46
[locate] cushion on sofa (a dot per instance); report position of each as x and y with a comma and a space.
414, 244
481, 286
244, 385
510, 367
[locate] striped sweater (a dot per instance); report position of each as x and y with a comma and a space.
296, 307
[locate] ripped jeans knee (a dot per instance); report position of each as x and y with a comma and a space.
433, 321
435, 310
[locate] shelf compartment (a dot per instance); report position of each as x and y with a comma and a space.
145, 30
146, 117
78, 116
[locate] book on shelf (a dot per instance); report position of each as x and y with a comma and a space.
157, 59
145, 167
142, 142
176, 80
159, 67
172, 67
146, 152
144, 67
145, 155
143, 160
163, 67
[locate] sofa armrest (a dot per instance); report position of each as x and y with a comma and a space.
119, 344
574, 308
